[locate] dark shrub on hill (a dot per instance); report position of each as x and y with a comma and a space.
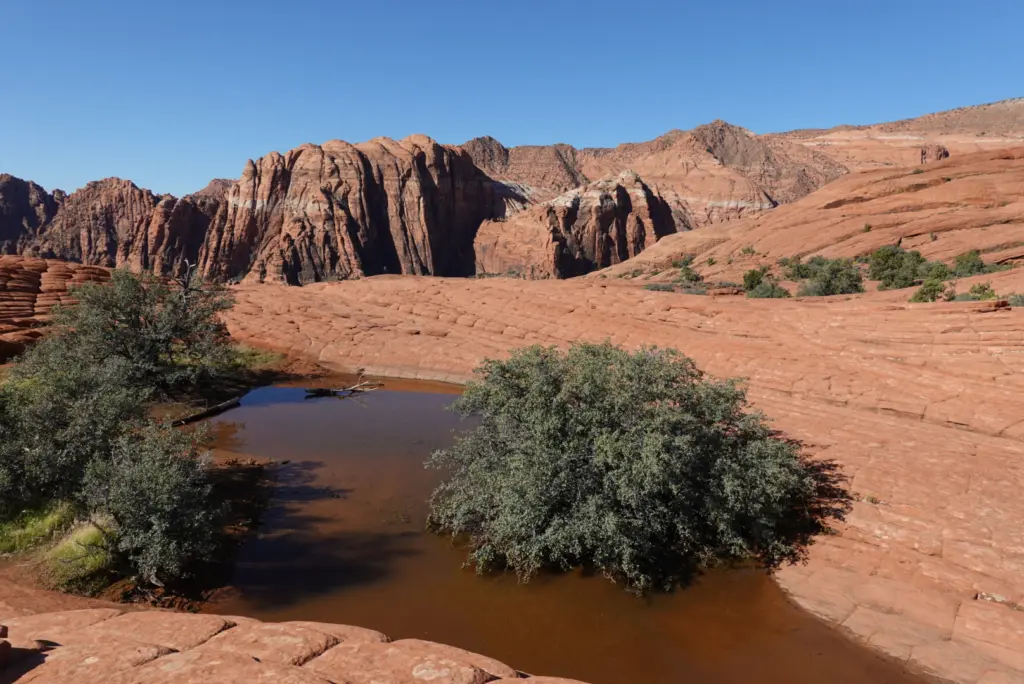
833, 277
634, 465
895, 267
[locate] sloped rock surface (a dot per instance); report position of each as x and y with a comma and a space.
603, 223
964, 130
943, 210
92, 646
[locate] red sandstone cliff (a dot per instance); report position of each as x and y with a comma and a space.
595, 226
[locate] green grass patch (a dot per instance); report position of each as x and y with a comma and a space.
35, 528
254, 359
81, 563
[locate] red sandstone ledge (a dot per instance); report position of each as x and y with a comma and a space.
111, 645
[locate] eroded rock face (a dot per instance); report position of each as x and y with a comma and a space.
25, 208
714, 173
601, 224
339, 210
934, 153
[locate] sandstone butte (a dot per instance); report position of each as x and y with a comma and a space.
918, 402
338, 210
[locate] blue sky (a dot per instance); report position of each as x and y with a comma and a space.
171, 94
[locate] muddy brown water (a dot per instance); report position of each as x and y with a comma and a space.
343, 542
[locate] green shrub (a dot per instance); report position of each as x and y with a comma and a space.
932, 290
659, 287
155, 491
711, 261
748, 251
968, 264
685, 260
687, 276
753, 278
795, 269
895, 267
63, 410
633, 465
1015, 299
934, 270
169, 334
977, 293
833, 277
917, 171
768, 289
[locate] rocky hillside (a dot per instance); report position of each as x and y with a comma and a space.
340, 211
967, 202
597, 225
919, 140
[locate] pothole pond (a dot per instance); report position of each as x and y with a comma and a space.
343, 541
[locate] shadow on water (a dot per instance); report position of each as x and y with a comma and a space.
294, 545
343, 541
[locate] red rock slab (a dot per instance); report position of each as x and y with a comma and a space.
91, 663
544, 680
488, 665
394, 664
272, 643
216, 667
995, 629
179, 631
343, 633
54, 627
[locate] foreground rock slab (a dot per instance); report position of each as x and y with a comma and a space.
107, 646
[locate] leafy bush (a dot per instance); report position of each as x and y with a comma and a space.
753, 278
795, 269
169, 334
977, 293
748, 251
62, 412
659, 287
634, 465
155, 491
711, 261
768, 289
934, 270
833, 277
1015, 299
895, 267
932, 290
73, 429
687, 276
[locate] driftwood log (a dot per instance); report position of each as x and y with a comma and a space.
343, 392
206, 413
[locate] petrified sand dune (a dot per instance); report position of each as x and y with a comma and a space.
911, 141
968, 202
29, 288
